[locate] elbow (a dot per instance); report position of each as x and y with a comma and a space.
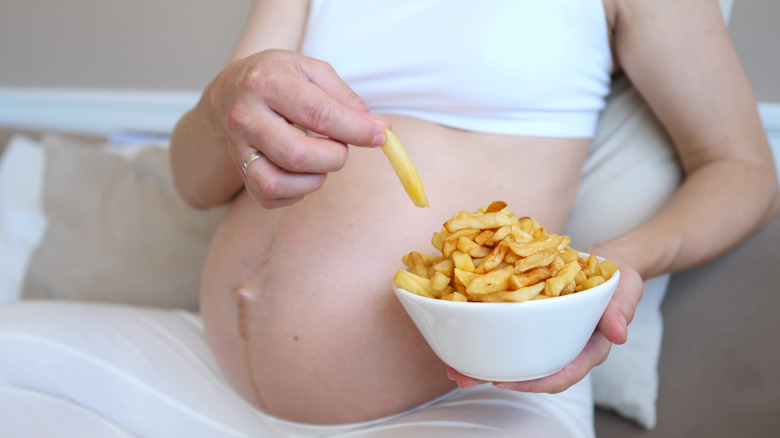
191, 198
188, 191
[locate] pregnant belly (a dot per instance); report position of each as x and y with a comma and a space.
297, 302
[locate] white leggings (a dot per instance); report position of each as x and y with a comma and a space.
91, 370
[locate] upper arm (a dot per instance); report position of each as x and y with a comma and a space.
679, 56
272, 24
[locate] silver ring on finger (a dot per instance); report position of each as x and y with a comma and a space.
252, 157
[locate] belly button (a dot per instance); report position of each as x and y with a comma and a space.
243, 298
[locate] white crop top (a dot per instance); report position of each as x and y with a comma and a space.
517, 67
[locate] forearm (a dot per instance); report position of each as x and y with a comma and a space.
203, 172
717, 207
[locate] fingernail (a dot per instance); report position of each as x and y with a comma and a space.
468, 384
451, 373
379, 139
624, 322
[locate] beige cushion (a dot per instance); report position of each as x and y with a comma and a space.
117, 230
631, 171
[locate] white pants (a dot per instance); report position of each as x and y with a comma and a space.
89, 370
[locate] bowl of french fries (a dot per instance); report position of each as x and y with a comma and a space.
501, 299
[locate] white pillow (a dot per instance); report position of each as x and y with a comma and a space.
22, 221
92, 222
631, 171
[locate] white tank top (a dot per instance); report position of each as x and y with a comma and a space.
517, 67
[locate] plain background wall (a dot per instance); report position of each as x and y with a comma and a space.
147, 44
182, 44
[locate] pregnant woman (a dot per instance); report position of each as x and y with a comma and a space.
493, 100
299, 331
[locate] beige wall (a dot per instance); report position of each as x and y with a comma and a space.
182, 44
150, 44
755, 30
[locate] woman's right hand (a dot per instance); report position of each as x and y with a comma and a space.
255, 103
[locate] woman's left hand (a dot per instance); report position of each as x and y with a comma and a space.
612, 329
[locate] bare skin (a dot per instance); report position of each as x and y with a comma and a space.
330, 341
295, 293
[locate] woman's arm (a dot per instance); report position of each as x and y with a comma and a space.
679, 56
251, 106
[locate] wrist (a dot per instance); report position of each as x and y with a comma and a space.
626, 254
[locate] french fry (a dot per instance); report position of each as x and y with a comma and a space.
500, 234
494, 281
465, 277
463, 261
446, 267
523, 294
413, 283
455, 296
492, 260
607, 268
591, 282
537, 259
414, 261
404, 168
469, 247
488, 220
450, 243
555, 285
495, 206
439, 282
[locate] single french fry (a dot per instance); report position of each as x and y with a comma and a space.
469, 247
463, 261
537, 259
570, 288
492, 260
591, 282
483, 237
495, 206
488, 220
500, 234
520, 235
529, 278
570, 254
455, 296
526, 249
404, 168
527, 224
465, 277
445, 266
494, 281
522, 294
413, 283
414, 261
589, 264
439, 282
555, 285
607, 268
437, 240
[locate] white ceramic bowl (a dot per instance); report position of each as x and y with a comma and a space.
509, 342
